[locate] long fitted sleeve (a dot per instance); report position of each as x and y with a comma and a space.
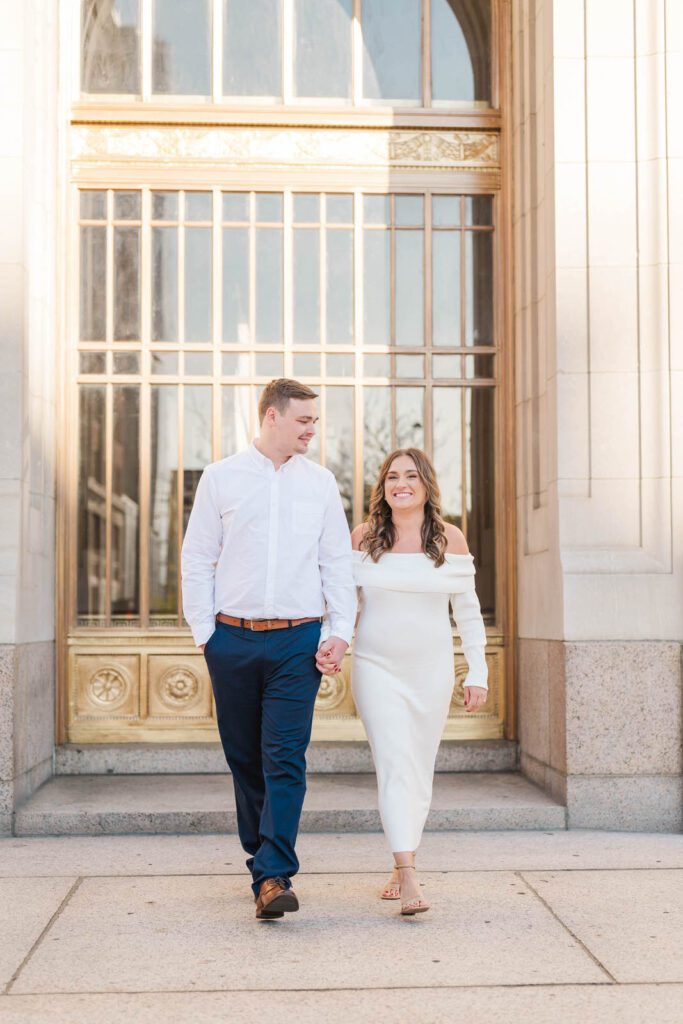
200, 552
468, 619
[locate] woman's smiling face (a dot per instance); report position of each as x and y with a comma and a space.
403, 488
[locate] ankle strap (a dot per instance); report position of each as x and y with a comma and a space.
400, 866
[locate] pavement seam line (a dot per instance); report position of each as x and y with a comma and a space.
566, 927
43, 933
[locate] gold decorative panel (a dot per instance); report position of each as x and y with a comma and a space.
178, 688
106, 686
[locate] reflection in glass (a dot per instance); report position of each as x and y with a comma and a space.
306, 365
91, 502
377, 365
306, 298
478, 366
125, 503
198, 206
376, 288
410, 366
339, 287
126, 205
234, 419
181, 62
376, 436
196, 440
409, 211
92, 362
322, 54
446, 366
163, 548
110, 46
165, 363
198, 284
339, 209
376, 209
446, 288
236, 286
126, 284
339, 442
340, 366
410, 417
479, 210
235, 364
93, 205
164, 206
481, 534
268, 207
445, 211
198, 364
409, 288
478, 288
268, 364
164, 284
268, 285
392, 49
447, 449
236, 206
252, 48
126, 362
306, 209
93, 312
460, 46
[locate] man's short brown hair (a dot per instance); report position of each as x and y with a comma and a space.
278, 394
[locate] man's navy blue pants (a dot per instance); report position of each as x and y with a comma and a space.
265, 684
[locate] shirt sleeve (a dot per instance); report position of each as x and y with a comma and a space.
200, 551
334, 557
468, 619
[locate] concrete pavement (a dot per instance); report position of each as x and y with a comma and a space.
525, 926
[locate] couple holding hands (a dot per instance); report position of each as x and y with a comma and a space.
273, 586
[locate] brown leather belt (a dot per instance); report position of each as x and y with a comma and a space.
261, 624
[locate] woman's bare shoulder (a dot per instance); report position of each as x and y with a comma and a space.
357, 535
457, 545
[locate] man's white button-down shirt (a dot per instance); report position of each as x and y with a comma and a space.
263, 543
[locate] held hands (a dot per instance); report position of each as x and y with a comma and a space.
330, 655
475, 697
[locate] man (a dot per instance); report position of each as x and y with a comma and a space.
267, 553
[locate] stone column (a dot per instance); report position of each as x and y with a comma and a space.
598, 225
28, 365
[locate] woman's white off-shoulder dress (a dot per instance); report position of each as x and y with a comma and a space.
403, 673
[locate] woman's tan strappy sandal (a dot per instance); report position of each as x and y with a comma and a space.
392, 890
417, 905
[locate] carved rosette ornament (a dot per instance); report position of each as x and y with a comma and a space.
331, 693
108, 687
179, 688
458, 699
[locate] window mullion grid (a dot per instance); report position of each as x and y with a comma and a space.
359, 396
145, 407
288, 280
216, 317
146, 34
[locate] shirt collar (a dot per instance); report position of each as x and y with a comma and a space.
264, 462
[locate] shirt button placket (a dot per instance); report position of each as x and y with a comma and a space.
273, 527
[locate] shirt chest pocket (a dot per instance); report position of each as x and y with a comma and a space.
307, 518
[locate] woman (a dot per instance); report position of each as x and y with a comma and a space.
408, 563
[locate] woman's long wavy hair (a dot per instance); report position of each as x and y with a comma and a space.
381, 533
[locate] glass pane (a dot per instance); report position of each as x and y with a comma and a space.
446, 366
198, 284
268, 285
126, 206
196, 441
252, 48
409, 288
164, 284
376, 436
126, 284
235, 364
410, 417
446, 288
92, 362
126, 362
93, 205
445, 211
340, 366
163, 548
306, 298
339, 209
322, 54
165, 363
110, 41
198, 206
410, 366
377, 365
236, 206
478, 366
93, 312
91, 502
164, 206
447, 442
306, 209
125, 504
460, 64
269, 207
306, 365
478, 288
376, 209
235, 419
236, 286
479, 210
376, 288
409, 210
269, 364
481, 534
391, 49
182, 47
339, 442
198, 364
339, 287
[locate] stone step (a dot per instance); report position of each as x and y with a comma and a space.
322, 757
185, 804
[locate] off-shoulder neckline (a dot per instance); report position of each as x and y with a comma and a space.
420, 554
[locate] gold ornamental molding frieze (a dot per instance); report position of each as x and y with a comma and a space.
333, 148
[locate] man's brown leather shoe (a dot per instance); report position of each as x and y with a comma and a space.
274, 899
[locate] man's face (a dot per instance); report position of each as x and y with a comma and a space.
295, 427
